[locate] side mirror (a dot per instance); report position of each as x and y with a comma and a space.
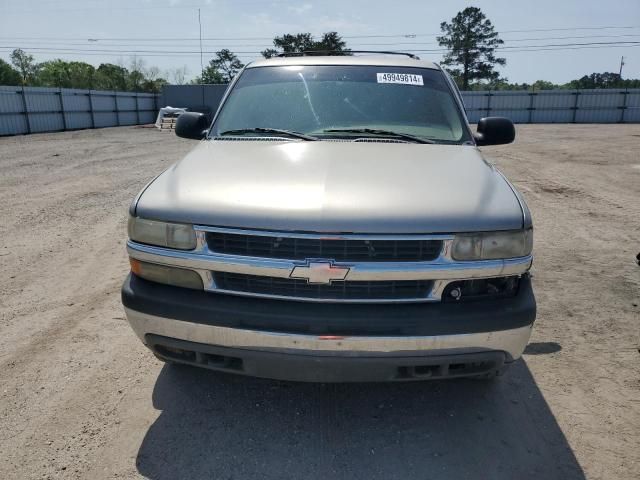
495, 131
192, 125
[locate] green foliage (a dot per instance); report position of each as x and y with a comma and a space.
304, 42
8, 74
153, 86
25, 65
58, 73
209, 76
603, 80
111, 77
136, 75
503, 84
135, 81
543, 85
471, 42
594, 80
221, 69
64, 74
228, 64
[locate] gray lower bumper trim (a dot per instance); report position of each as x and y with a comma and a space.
512, 341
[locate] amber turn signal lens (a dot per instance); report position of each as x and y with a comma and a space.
135, 266
178, 277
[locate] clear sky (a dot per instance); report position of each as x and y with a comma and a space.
165, 32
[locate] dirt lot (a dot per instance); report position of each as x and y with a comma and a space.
80, 397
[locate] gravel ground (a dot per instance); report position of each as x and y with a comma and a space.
80, 397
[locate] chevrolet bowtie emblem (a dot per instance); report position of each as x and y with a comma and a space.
319, 272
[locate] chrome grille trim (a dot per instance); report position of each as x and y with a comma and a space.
441, 271
333, 236
429, 298
359, 271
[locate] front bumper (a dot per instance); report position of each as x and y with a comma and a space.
329, 342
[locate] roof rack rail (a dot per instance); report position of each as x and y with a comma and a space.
310, 53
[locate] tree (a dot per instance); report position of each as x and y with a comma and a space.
8, 74
304, 42
497, 84
471, 42
136, 75
154, 85
111, 77
544, 85
74, 74
152, 73
222, 68
594, 80
177, 76
598, 80
331, 42
153, 82
289, 43
59, 73
503, 84
25, 65
210, 75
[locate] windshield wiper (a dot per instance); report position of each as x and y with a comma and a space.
277, 131
378, 132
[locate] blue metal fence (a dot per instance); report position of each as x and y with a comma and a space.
556, 106
34, 109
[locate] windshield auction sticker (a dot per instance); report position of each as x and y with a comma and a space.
401, 78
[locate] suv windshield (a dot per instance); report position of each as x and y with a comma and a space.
335, 101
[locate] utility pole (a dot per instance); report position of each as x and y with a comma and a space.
621, 65
201, 62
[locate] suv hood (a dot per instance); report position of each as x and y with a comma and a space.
325, 186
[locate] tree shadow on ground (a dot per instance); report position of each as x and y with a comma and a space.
221, 426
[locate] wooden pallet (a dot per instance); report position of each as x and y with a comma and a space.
168, 122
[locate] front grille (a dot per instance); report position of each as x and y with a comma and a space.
348, 250
340, 290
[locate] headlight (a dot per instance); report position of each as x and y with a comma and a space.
178, 277
162, 234
492, 245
